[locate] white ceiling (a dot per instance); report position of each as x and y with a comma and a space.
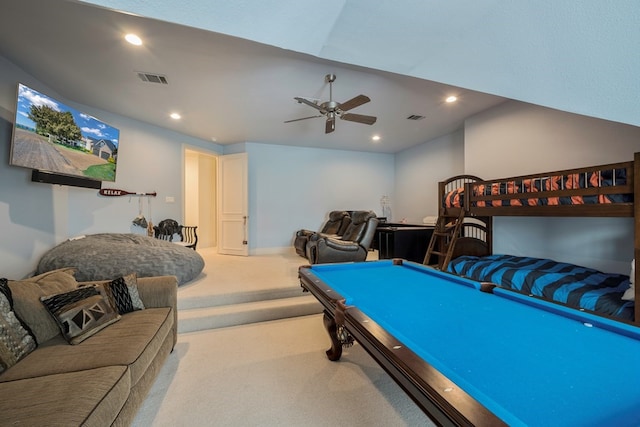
235, 90
579, 56
224, 87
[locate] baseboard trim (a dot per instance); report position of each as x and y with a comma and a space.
284, 250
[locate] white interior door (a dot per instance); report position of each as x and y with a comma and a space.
233, 205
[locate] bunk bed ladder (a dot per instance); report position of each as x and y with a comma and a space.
443, 239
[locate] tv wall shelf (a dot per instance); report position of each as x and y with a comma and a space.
52, 178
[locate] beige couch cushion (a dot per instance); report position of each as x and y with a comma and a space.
133, 341
84, 398
26, 300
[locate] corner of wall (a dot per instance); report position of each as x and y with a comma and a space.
240, 147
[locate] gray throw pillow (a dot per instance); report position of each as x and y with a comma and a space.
16, 340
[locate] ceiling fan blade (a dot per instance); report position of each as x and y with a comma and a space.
359, 118
330, 126
310, 104
304, 118
354, 102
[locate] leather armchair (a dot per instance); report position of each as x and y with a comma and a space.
352, 246
335, 226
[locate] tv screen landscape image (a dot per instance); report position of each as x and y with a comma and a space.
51, 137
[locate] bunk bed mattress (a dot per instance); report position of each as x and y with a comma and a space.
606, 178
572, 285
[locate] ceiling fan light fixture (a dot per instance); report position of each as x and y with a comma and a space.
332, 109
330, 125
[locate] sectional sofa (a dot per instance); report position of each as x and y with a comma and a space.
76, 376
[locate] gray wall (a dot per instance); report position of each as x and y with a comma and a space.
515, 138
418, 171
293, 187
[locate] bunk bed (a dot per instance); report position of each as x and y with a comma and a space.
598, 191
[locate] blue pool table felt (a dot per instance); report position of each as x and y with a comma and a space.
528, 361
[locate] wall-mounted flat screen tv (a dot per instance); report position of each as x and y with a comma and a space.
49, 136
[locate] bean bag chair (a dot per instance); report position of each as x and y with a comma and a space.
110, 255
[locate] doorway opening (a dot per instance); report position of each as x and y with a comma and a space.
200, 183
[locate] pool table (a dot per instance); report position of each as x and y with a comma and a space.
470, 353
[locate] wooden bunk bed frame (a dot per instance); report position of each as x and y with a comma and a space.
475, 237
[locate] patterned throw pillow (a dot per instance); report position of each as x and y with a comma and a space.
81, 313
16, 340
123, 294
127, 294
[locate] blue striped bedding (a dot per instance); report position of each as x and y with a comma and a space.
573, 285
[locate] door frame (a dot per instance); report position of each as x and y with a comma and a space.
201, 151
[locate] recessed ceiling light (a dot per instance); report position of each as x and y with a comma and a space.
133, 39
175, 116
451, 98
375, 138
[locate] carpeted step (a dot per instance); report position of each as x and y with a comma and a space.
240, 297
202, 318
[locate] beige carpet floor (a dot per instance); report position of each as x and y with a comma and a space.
271, 373
226, 275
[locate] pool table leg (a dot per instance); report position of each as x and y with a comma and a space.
335, 352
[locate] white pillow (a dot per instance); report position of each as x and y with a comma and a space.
630, 294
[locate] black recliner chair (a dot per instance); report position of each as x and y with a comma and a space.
335, 226
352, 246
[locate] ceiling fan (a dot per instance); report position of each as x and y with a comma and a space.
332, 109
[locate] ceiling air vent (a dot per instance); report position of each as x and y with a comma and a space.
152, 78
415, 117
